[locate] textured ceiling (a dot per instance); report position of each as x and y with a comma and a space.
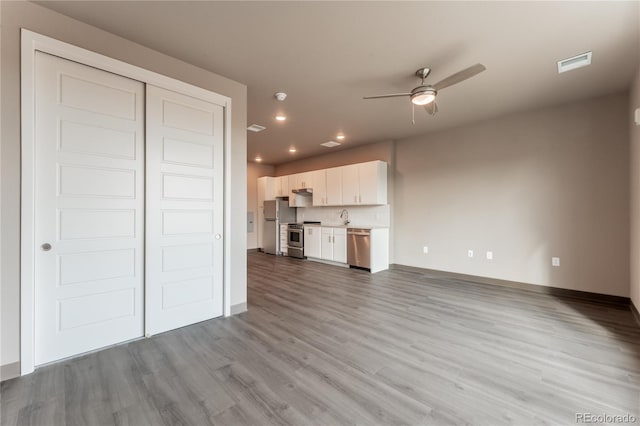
328, 55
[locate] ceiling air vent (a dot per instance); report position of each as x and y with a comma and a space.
255, 128
572, 63
331, 144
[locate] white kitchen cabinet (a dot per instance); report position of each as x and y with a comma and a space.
284, 233
340, 245
379, 249
355, 184
327, 245
266, 189
301, 180
313, 241
282, 186
334, 244
334, 187
350, 185
319, 185
373, 183
364, 183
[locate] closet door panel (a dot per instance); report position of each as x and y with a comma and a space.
184, 245
89, 217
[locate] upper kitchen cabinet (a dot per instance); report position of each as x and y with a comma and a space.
266, 189
319, 185
301, 180
282, 186
334, 187
364, 183
327, 187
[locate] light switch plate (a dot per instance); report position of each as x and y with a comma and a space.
555, 261
489, 255
637, 117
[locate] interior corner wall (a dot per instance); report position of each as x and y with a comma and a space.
634, 102
254, 171
528, 187
21, 14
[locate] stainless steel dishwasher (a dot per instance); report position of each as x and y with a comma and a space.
359, 247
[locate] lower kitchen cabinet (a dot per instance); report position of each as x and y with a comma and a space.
313, 241
284, 233
334, 244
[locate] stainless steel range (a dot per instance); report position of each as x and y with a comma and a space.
295, 239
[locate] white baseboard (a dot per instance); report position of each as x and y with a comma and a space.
9, 371
238, 308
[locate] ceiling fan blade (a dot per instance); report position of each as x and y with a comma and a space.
459, 76
431, 108
390, 95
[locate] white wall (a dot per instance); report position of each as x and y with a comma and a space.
19, 14
254, 171
634, 102
528, 186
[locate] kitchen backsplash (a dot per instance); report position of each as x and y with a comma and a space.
358, 215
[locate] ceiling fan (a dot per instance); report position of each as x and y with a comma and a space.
425, 95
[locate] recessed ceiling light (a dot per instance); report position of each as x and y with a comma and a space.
330, 144
255, 128
292, 149
281, 117
258, 159
340, 137
574, 62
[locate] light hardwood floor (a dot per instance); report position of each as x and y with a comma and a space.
322, 345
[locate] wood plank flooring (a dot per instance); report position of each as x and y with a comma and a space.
322, 345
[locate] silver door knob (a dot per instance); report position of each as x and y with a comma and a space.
218, 236
46, 247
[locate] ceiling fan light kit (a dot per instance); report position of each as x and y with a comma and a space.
424, 96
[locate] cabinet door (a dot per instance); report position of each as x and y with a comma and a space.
350, 185
373, 183
282, 186
312, 241
327, 244
270, 188
319, 185
295, 181
340, 245
305, 180
334, 187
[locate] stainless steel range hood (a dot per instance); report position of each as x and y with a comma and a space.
303, 191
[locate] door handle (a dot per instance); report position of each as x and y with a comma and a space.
45, 247
218, 236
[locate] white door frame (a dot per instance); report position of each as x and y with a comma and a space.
32, 42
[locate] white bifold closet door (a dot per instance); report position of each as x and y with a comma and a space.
184, 218
89, 201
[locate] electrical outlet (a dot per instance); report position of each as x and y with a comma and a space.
555, 261
470, 253
489, 255
425, 250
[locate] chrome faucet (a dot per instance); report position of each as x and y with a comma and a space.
344, 215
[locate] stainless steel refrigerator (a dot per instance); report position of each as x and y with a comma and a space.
275, 213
